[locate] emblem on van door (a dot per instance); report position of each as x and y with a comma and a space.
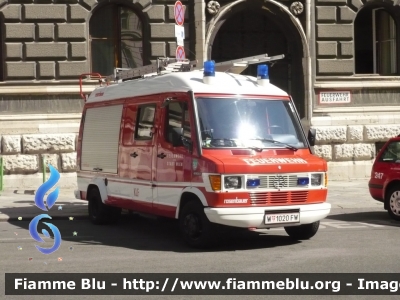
194, 164
279, 181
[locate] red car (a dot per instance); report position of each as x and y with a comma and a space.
384, 185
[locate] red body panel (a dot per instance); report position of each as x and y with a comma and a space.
383, 173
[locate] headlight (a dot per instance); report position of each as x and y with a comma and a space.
233, 182
316, 179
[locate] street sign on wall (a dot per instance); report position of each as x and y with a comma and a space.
334, 97
179, 34
180, 53
179, 13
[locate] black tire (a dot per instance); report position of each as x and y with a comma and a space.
302, 232
99, 213
197, 231
393, 202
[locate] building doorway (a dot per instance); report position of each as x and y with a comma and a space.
248, 30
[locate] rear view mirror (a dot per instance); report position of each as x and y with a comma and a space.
311, 136
187, 143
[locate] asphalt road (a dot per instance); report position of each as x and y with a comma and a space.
349, 241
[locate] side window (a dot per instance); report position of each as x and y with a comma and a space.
391, 153
177, 121
145, 122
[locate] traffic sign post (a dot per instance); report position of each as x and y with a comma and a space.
180, 53
179, 34
179, 13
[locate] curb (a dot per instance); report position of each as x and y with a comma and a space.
76, 218
21, 192
32, 192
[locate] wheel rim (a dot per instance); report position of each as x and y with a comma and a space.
192, 226
394, 203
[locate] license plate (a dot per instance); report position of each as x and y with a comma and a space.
281, 217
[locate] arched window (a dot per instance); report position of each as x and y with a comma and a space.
375, 42
116, 39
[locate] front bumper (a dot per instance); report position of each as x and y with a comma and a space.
253, 217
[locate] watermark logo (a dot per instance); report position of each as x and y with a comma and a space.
50, 201
45, 187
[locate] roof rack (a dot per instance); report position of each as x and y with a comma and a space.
239, 65
165, 65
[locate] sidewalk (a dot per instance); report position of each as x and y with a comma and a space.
341, 195
16, 204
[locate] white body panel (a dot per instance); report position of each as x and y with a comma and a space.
100, 143
253, 217
225, 83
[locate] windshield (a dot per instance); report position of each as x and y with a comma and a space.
248, 123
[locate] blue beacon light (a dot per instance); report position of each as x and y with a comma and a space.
209, 68
262, 75
303, 181
253, 182
209, 71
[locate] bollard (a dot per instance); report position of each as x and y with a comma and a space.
1, 173
44, 170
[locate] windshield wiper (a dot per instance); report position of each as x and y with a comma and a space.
223, 143
258, 149
278, 142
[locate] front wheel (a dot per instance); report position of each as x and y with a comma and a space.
393, 203
302, 232
99, 213
196, 229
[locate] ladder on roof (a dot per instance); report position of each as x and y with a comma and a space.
239, 65
165, 65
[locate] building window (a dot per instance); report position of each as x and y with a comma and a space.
116, 39
375, 42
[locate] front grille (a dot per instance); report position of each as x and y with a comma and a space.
276, 198
277, 181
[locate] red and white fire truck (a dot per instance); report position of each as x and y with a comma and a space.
206, 146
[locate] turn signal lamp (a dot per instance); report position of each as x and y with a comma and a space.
215, 181
326, 180
209, 72
262, 75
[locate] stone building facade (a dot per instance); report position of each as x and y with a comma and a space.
341, 66
357, 52
47, 45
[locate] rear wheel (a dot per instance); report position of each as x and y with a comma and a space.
99, 213
393, 202
302, 232
197, 231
